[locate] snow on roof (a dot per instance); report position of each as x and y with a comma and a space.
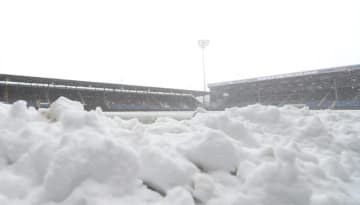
290, 75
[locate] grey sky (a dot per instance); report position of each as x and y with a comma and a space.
155, 42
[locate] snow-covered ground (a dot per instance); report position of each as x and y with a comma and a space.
151, 116
259, 155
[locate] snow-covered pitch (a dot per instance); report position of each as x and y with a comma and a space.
257, 155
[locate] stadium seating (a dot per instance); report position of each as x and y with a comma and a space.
107, 101
334, 88
41, 92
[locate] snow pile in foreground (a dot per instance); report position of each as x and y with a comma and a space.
253, 155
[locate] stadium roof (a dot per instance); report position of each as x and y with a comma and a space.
290, 75
29, 80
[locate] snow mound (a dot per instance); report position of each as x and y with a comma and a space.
62, 106
165, 169
89, 156
204, 188
178, 196
262, 155
211, 150
232, 127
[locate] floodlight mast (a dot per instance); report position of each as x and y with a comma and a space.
203, 44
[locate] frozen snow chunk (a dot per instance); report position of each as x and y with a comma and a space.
178, 196
313, 127
256, 113
166, 125
350, 162
349, 142
4, 200
279, 194
233, 127
16, 116
127, 124
316, 171
83, 119
237, 130
285, 155
265, 153
165, 169
211, 150
280, 184
323, 199
3, 162
236, 198
307, 157
244, 169
15, 144
89, 156
91, 192
35, 163
225, 179
334, 168
204, 188
19, 109
63, 105
13, 186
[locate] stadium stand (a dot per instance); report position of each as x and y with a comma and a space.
41, 92
333, 88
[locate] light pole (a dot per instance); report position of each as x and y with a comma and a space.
203, 44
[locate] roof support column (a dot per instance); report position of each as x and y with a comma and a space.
6, 94
336, 91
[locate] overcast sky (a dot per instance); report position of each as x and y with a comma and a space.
154, 42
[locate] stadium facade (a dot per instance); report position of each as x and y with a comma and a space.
333, 88
41, 92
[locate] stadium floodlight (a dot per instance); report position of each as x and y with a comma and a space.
203, 44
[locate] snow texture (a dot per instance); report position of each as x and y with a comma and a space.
261, 155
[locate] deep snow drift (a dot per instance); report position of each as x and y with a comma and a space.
259, 155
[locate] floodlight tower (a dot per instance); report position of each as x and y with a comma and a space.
203, 44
